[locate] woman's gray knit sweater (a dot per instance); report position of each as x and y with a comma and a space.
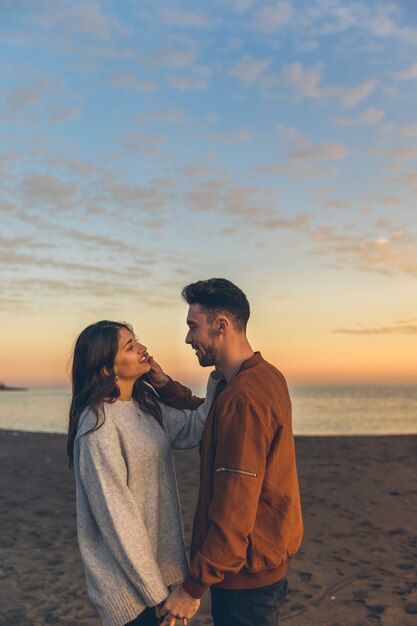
128, 514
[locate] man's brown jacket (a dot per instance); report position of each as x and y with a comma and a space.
248, 520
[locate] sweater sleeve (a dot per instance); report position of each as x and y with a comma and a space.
185, 427
243, 441
178, 396
103, 474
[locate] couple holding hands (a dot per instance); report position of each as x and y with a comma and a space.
127, 416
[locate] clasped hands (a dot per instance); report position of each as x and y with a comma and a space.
178, 605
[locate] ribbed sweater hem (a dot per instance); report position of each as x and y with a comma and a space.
124, 608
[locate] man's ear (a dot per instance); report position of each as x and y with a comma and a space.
221, 325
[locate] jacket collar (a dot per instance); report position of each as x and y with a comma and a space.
251, 362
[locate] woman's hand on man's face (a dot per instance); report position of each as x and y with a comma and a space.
156, 374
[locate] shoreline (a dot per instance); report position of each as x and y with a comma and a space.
18, 431
356, 566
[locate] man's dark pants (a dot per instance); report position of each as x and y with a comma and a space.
147, 618
248, 607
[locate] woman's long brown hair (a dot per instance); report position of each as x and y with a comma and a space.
94, 379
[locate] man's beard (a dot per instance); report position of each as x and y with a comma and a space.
209, 357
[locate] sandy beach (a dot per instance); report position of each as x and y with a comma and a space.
357, 565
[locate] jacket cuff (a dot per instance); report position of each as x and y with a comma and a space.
194, 588
167, 390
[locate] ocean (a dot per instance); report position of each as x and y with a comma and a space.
317, 410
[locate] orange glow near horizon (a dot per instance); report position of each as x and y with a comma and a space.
43, 358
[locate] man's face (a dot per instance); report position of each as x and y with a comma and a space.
201, 336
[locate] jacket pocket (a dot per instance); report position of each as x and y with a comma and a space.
269, 540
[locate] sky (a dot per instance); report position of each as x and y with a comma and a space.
148, 145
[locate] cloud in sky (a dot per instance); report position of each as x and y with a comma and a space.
166, 116
89, 18
351, 96
333, 204
301, 148
48, 190
381, 255
409, 180
189, 83
298, 223
141, 198
169, 56
292, 137
84, 18
249, 69
409, 131
64, 114
370, 116
8, 244
131, 81
25, 91
399, 328
293, 170
406, 152
270, 18
377, 21
306, 82
296, 79
328, 150
329, 18
409, 73
234, 137
390, 201
186, 19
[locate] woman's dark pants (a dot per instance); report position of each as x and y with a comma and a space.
248, 607
147, 618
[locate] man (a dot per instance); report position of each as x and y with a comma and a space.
248, 521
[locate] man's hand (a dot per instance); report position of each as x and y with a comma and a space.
157, 376
179, 604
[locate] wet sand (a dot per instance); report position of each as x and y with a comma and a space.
357, 564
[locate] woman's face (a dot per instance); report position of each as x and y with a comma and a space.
131, 360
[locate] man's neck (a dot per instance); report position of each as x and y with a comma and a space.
230, 362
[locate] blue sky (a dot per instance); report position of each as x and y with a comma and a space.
146, 145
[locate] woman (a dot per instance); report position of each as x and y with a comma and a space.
120, 438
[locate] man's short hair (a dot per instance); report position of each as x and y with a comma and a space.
218, 296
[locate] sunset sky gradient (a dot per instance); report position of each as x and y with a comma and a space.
148, 145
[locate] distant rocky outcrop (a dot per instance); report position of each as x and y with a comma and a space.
4, 387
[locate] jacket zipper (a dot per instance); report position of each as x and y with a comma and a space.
235, 471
